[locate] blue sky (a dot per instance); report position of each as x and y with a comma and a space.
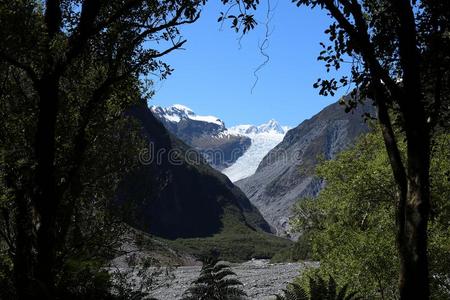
214, 74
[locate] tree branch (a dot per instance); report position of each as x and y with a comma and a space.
26, 68
362, 42
89, 12
173, 22
409, 55
117, 15
167, 51
53, 17
395, 159
390, 142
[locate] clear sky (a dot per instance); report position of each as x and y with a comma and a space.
214, 74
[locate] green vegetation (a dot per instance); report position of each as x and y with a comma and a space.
236, 242
318, 289
216, 282
351, 224
300, 250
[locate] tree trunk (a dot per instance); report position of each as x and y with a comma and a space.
413, 191
23, 248
414, 281
45, 199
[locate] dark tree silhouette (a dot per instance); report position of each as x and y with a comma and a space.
64, 60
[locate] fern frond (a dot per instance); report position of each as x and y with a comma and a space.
223, 273
229, 282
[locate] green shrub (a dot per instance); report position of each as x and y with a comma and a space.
352, 221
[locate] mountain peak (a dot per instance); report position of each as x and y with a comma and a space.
182, 108
178, 112
272, 126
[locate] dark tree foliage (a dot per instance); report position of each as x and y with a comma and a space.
400, 58
68, 72
216, 282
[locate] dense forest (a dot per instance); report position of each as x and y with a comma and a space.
77, 199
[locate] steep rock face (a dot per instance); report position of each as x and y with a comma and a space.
207, 134
176, 194
287, 172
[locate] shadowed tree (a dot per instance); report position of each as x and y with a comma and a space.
400, 59
62, 65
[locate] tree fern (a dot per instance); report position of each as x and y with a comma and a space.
216, 282
319, 289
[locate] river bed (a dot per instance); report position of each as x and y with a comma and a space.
261, 279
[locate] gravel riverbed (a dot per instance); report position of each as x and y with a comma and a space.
261, 279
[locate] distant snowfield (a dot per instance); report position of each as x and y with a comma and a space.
264, 137
247, 164
177, 112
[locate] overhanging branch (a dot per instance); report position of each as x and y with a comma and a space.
24, 67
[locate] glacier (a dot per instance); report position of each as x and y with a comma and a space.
263, 139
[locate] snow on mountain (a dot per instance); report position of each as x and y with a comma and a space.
206, 134
178, 112
263, 139
270, 127
241, 147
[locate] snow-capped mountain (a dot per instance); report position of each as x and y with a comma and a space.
178, 112
207, 134
270, 127
263, 139
236, 151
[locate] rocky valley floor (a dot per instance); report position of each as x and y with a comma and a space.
261, 279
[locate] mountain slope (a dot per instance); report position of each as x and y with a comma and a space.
206, 134
176, 194
287, 172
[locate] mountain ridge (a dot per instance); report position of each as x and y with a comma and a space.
182, 200
222, 147
286, 173
207, 134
